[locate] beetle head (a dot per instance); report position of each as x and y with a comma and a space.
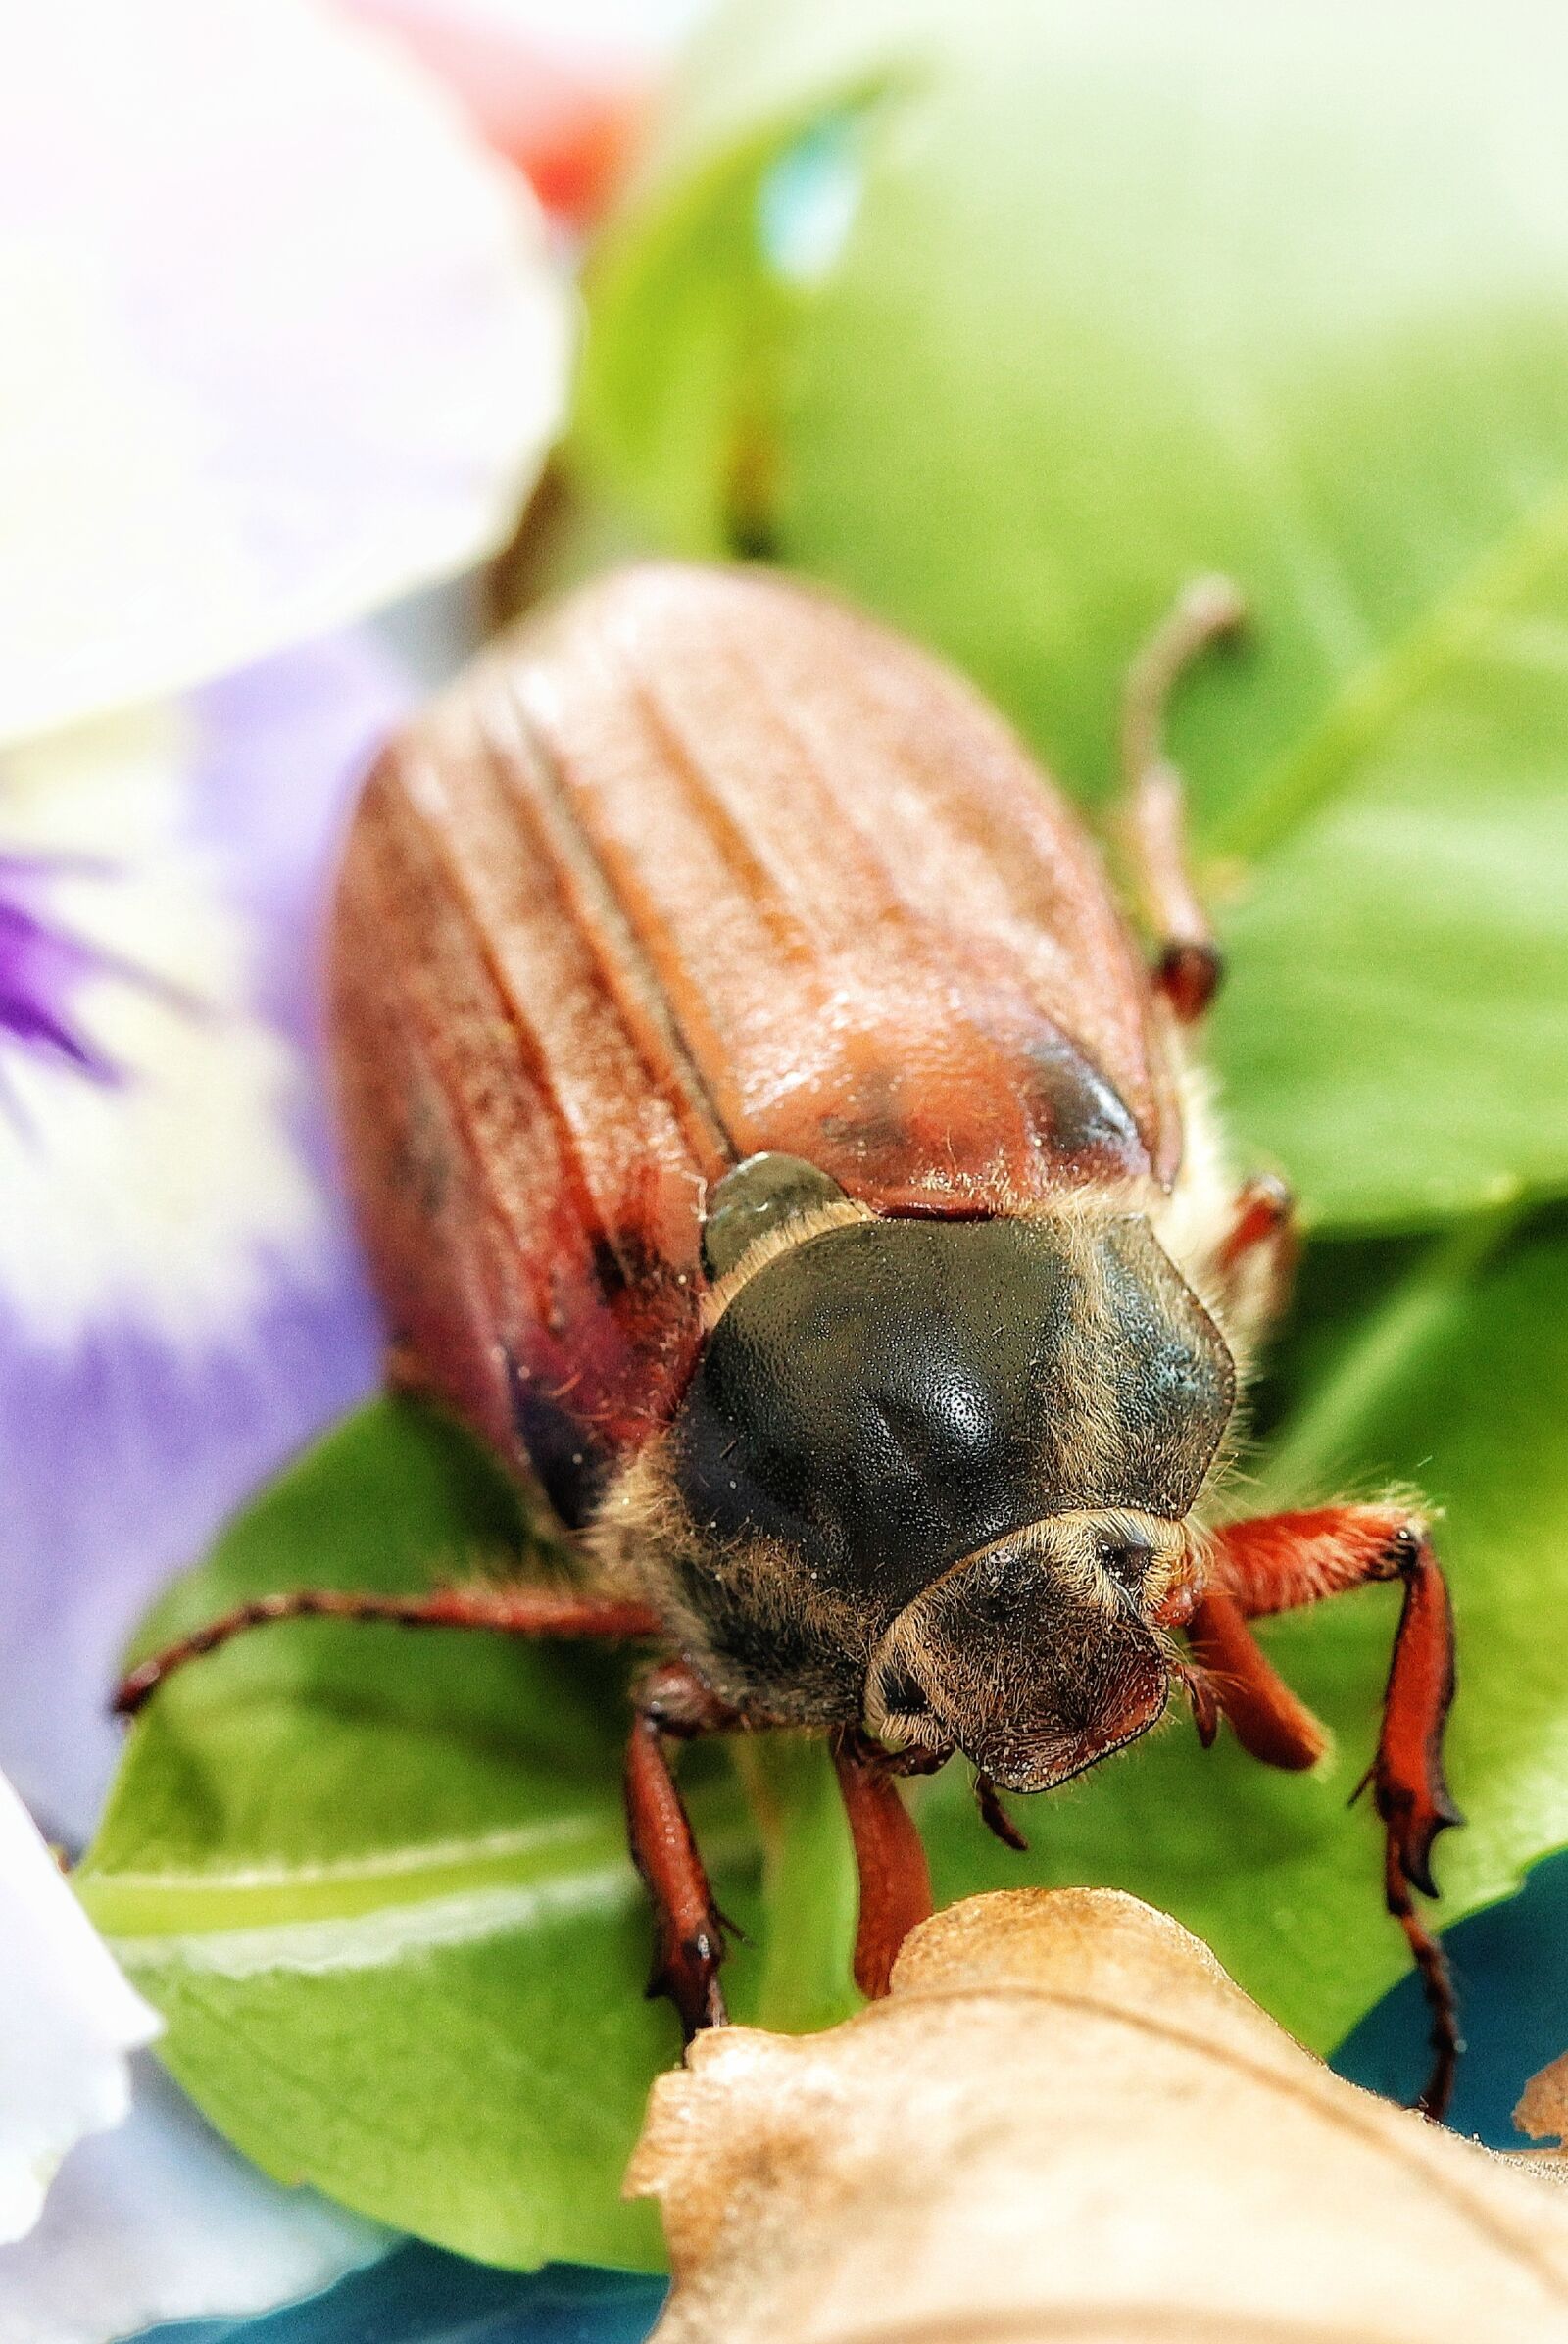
1042, 1653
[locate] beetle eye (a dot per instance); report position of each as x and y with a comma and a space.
1126, 1561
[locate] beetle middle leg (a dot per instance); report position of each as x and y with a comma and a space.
1279, 1562
1155, 816
671, 1704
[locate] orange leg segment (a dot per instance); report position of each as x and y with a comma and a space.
1254, 1262
1278, 1562
674, 1705
1267, 1719
895, 1879
1263, 1215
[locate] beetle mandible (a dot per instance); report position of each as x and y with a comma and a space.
769, 1138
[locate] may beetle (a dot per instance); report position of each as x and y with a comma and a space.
769, 1139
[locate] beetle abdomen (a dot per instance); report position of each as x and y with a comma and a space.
697, 865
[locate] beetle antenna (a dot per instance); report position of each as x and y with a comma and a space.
1210, 610
1188, 965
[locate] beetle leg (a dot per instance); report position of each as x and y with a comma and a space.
1254, 1262
1188, 969
673, 1704
895, 1879
1266, 1718
1279, 1561
505, 1611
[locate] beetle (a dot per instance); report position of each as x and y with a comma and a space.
772, 1141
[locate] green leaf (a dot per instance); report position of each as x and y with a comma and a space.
1010, 318
376, 1880
810, 1891
1399, 959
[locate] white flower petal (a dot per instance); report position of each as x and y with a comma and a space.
619, 28
68, 2019
162, 2220
281, 342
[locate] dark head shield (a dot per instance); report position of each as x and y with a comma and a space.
893, 1394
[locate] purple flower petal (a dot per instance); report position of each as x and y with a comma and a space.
181, 1303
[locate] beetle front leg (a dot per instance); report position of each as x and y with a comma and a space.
1187, 969
1267, 1719
889, 1856
674, 1705
1279, 1562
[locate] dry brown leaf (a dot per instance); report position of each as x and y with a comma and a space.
1067, 2123
1542, 2110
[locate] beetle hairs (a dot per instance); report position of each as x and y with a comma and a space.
539, 1562
640, 1515
731, 1612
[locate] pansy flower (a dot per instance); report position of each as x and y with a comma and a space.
180, 1302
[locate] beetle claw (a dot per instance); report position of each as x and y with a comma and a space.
686, 1972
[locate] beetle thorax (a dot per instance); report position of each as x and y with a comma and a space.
909, 1441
